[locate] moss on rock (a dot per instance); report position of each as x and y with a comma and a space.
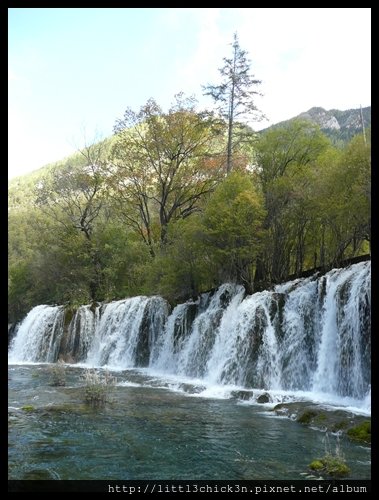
361, 432
316, 465
333, 465
28, 408
306, 417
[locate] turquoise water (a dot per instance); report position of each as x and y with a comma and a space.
148, 432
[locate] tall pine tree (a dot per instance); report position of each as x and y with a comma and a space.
235, 94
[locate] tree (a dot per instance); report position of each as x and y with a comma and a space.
342, 203
235, 94
232, 226
162, 166
73, 196
183, 267
284, 158
295, 144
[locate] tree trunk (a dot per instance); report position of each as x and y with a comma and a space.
230, 132
231, 118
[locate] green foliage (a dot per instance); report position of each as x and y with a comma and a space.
233, 227
296, 144
220, 244
332, 465
316, 197
161, 167
182, 269
361, 432
235, 95
28, 408
316, 465
150, 211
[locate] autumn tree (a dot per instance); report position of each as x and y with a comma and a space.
235, 94
162, 166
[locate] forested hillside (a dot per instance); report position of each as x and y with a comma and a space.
180, 201
152, 211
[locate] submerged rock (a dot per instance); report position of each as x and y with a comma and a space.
326, 419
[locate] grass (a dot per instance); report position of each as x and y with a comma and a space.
332, 464
57, 373
97, 387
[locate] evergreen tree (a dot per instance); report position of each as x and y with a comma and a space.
235, 94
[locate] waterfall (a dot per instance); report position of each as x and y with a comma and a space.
126, 332
38, 336
81, 331
311, 334
344, 354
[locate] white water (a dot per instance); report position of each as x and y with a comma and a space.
38, 337
339, 360
118, 333
81, 332
310, 336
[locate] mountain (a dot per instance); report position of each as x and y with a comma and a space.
339, 126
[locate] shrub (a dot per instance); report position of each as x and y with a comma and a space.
58, 374
97, 386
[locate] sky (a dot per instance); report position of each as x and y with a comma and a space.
72, 72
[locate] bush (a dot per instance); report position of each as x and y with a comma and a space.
58, 374
97, 386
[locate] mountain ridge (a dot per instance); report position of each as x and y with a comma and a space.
339, 126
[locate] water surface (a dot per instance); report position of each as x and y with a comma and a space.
149, 432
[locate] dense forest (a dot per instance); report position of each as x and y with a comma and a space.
177, 202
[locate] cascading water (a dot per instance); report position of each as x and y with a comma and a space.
310, 334
127, 331
81, 332
204, 334
344, 353
298, 334
38, 337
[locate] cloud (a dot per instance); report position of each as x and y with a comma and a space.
309, 57
210, 45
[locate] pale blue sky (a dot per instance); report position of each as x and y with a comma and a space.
75, 69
